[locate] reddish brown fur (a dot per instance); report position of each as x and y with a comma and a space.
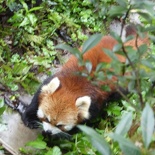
61, 104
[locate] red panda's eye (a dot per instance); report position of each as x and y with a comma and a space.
59, 126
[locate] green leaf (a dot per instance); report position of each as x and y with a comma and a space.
128, 38
101, 66
117, 11
37, 144
24, 22
116, 36
145, 7
122, 3
124, 125
20, 69
97, 140
150, 29
117, 47
13, 6
145, 15
91, 42
127, 147
111, 54
73, 51
54, 151
24, 5
14, 87
131, 86
2, 109
32, 18
152, 151
88, 66
147, 124
142, 49
132, 54
34, 38
148, 64
35, 8
1, 102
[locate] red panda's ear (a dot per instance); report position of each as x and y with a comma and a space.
83, 104
52, 86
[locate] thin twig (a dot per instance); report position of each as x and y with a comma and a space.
138, 88
124, 20
126, 98
138, 78
130, 62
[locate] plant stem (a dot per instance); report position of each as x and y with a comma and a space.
138, 88
124, 20
138, 79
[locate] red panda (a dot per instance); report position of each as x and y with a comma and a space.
67, 99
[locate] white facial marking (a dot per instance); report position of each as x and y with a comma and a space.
49, 127
49, 118
40, 113
60, 123
83, 103
52, 86
68, 127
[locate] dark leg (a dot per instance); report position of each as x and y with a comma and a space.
28, 112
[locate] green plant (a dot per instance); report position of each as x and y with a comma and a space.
42, 147
120, 135
31, 31
2, 109
137, 124
34, 32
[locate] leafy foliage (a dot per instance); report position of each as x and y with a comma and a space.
27, 48
2, 110
147, 124
96, 140
29, 33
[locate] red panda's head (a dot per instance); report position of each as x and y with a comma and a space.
60, 112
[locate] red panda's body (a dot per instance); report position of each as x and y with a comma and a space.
67, 99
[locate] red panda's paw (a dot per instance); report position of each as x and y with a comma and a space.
15, 104
61, 135
28, 113
30, 120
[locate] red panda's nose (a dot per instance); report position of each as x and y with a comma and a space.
48, 132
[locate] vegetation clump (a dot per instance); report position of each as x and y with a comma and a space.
28, 35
